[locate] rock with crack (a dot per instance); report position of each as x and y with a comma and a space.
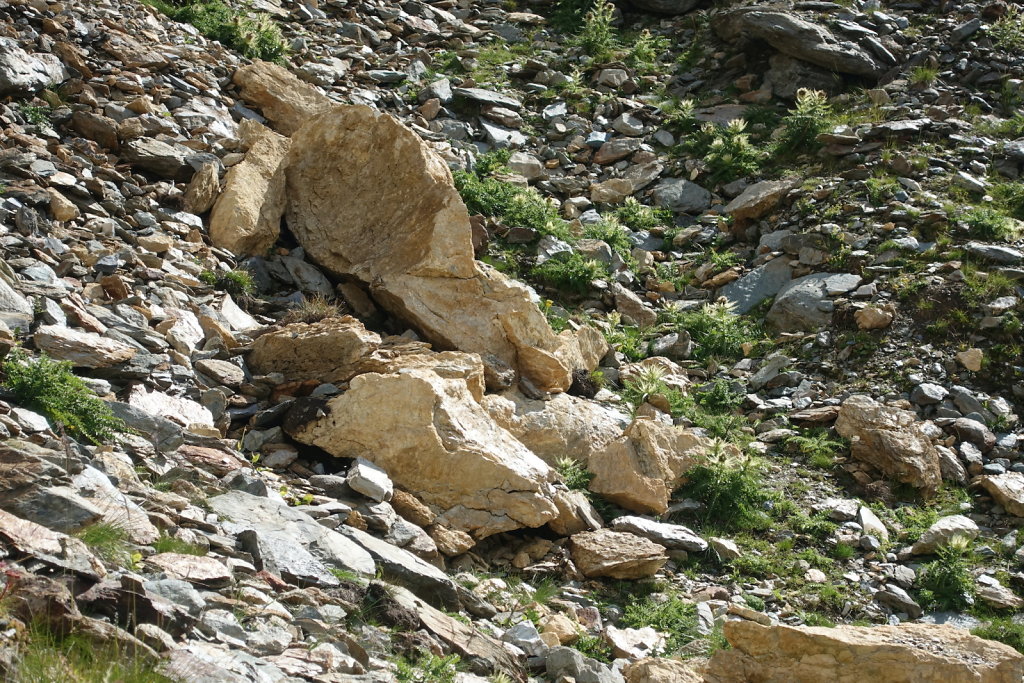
327, 350
797, 37
891, 440
246, 219
415, 250
1007, 489
881, 654
640, 469
429, 433
285, 100
616, 555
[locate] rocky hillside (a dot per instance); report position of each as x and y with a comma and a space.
366, 342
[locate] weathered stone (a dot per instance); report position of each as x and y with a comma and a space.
284, 100
564, 427
849, 654
414, 250
197, 569
971, 359
366, 478
564, 663
607, 553
943, 532
246, 219
681, 195
757, 200
24, 74
1007, 490
660, 670
15, 310
804, 303
431, 436
798, 38
634, 643
82, 349
163, 159
203, 190
326, 351
891, 440
874, 317
759, 284
640, 469
673, 536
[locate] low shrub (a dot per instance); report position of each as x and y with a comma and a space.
257, 36
574, 272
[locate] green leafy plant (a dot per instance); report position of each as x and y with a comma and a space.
428, 668
515, 206
988, 223
947, 582
613, 234
645, 49
727, 151
35, 115
49, 387
639, 216
923, 75
1007, 32
717, 330
597, 37
574, 272
728, 483
667, 614
255, 36
811, 117
817, 446
170, 544
574, 473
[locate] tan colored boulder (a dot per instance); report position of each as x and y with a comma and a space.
62, 208
1007, 490
971, 359
564, 629
575, 514
203, 189
640, 469
368, 199
327, 350
82, 349
284, 100
607, 553
757, 200
564, 427
592, 344
246, 219
908, 653
431, 436
662, 670
450, 542
891, 440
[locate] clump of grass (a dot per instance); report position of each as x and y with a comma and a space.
170, 544
108, 542
817, 446
574, 272
1004, 630
45, 657
947, 582
48, 386
923, 75
515, 206
428, 668
237, 282
312, 310
1007, 32
610, 232
669, 615
574, 473
988, 223
639, 216
255, 36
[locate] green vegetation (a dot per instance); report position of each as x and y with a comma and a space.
44, 657
665, 613
730, 487
717, 331
573, 272
254, 36
237, 282
727, 151
639, 216
170, 544
34, 114
597, 37
923, 75
49, 387
817, 446
108, 542
574, 474
515, 206
428, 668
1005, 630
988, 223
811, 117
1007, 32
947, 583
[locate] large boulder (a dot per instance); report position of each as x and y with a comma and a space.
640, 469
806, 304
797, 37
429, 433
327, 350
1007, 489
285, 101
607, 553
759, 284
246, 219
368, 199
891, 440
881, 654
23, 74
564, 427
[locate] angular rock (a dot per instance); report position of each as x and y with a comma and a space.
327, 351
287, 102
640, 469
881, 654
607, 553
673, 536
246, 219
681, 195
431, 436
415, 249
891, 440
566, 662
23, 74
757, 200
804, 303
82, 349
203, 190
366, 478
15, 310
943, 532
163, 159
196, 569
661, 670
761, 283
1007, 490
